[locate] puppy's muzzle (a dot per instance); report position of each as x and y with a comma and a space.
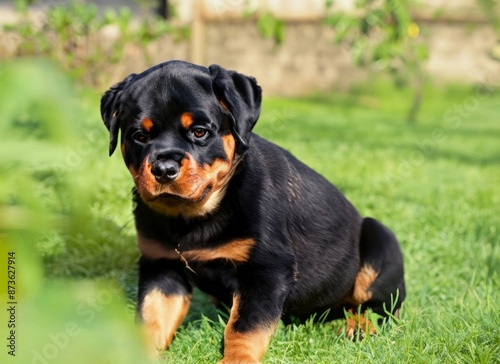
165, 166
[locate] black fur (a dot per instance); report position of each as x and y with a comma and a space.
310, 242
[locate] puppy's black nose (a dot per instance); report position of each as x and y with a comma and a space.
166, 164
165, 170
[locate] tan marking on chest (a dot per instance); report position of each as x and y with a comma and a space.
152, 249
237, 251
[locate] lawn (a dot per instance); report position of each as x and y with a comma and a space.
435, 183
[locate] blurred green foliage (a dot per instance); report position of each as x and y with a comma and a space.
68, 34
22, 5
271, 27
383, 36
49, 181
51, 166
491, 9
78, 322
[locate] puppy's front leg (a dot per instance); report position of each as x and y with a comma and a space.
164, 298
256, 310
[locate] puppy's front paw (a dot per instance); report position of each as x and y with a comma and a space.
154, 342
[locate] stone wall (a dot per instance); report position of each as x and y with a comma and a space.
308, 60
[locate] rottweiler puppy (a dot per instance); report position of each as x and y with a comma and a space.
220, 208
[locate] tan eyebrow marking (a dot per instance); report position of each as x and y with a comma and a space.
147, 124
187, 120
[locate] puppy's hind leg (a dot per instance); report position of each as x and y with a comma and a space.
379, 284
380, 253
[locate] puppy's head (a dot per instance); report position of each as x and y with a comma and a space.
183, 127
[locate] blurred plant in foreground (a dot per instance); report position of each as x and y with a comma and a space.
47, 188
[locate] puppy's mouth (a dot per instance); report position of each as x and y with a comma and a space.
197, 189
175, 200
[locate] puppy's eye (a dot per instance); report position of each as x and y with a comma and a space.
140, 136
199, 133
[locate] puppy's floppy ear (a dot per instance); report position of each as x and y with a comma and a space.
111, 109
242, 97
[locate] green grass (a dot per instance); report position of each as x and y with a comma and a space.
435, 183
